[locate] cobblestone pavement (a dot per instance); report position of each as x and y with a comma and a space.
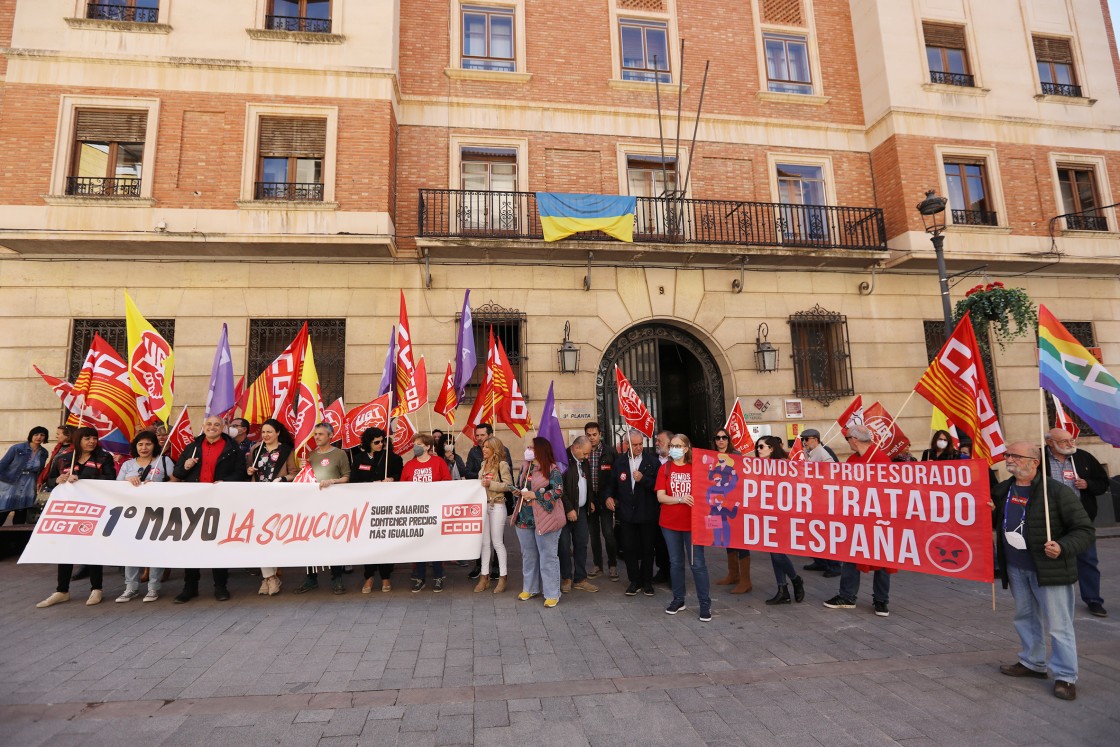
602, 669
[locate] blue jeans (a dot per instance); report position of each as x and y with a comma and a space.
783, 567
573, 548
132, 578
849, 584
420, 570
1089, 576
680, 546
1052, 606
540, 562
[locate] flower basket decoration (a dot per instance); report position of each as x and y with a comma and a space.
1011, 310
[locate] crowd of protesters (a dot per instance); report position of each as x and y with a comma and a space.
632, 503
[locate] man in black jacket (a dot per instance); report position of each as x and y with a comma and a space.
1037, 553
632, 495
573, 537
213, 457
1081, 471
600, 518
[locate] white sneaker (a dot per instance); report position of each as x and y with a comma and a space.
263, 591
273, 585
57, 598
151, 596
94, 598
128, 595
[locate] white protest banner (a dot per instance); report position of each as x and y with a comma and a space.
239, 525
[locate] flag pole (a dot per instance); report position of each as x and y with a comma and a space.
730, 413
389, 441
894, 419
1042, 455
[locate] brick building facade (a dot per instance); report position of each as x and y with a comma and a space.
277, 161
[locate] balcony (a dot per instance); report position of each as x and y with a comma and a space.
468, 214
289, 191
298, 23
100, 186
1061, 89
963, 80
115, 12
975, 218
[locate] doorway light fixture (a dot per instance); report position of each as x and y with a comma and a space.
765, 354
568, 354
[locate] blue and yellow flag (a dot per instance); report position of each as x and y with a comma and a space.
563, 214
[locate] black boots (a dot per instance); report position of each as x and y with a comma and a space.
798, 589
782, 597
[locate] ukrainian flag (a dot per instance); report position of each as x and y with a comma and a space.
563, 214
1068, 370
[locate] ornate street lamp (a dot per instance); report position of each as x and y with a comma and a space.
932, 209
765, 354
568, 354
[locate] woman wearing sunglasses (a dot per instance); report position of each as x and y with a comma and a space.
369, 466
738, 561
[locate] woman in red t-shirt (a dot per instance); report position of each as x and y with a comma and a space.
425, 467
771, 447
674, 493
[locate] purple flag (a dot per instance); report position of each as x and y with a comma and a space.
220, 396
550, 430
466, 358
389, 371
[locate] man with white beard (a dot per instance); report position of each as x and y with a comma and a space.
1081, 471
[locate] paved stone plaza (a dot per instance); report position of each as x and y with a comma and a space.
602, 669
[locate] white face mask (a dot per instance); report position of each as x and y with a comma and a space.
676, 452
530, 455
233, 431
942, 444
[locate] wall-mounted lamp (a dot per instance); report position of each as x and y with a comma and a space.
765, 354
568, 354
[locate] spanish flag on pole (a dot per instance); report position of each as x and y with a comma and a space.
563, 214
151, 362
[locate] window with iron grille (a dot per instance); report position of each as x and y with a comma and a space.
822, 361
1083, 333
1054, 58
114, 332
947, 54
970, 202
509, 327
311, 16
291, 158
1078, 185
269, 337
134, 11
108, 154
935, 339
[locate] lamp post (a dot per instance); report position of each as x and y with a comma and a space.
932, 209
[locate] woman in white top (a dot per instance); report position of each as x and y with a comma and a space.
146, 465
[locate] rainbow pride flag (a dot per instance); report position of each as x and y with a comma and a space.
1068, 370
563, 214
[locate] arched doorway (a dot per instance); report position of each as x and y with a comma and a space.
674, 374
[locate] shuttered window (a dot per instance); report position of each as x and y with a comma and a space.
1055, 66
293, 137
944, 35
291, 158
108, 154
947, 55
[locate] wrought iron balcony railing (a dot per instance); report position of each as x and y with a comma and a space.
1082, 222
298, 23
110, 12
1061, 89
514, 215
292, 191
952, 79
100, 186
975, 218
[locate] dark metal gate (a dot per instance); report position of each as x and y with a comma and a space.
653, 356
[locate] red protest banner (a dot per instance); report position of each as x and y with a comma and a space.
928, 517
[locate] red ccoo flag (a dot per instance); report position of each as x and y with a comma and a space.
956, 384
512, 409
446, 402
736, 428
411, 394
631, 407
487, 399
